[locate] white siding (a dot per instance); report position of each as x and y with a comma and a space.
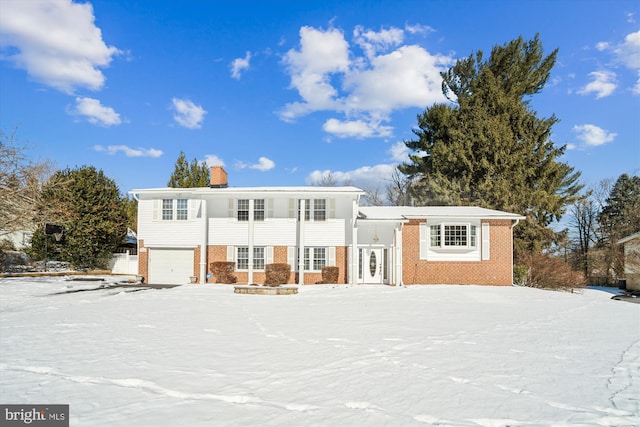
167, 233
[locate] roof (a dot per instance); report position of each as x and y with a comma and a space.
629, 238
348, 190
401, 213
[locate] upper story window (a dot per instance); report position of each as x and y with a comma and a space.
175, 209
242, 211
314, 208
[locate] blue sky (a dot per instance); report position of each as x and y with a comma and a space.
281, 92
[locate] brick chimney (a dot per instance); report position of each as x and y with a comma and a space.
218, 177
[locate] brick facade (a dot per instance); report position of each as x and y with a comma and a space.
495, 271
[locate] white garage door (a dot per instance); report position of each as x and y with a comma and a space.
170, 266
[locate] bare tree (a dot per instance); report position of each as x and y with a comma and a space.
584, 220
399, 189
20, 183
372, 197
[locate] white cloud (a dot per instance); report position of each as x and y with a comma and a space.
356, 128
593, 135
418, 29
365, 88
366, 177
372, 42
96, 113
128, 151
240, 64
602, 85
188, 114
213, 160
399, 152
57, 42
264, 164
628, 53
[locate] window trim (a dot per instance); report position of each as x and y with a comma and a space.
256, 251
310, 261
171, 209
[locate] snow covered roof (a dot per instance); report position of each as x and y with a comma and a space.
252, 190
629, 238
400, 213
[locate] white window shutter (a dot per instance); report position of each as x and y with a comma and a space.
291, 257
332, 208
231, 253
292, 208
156, 210
232, 207
331, 261
423, 240
486, 241
193, 209
268, 255
269, 213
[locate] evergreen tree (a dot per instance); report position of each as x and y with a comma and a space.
189, 175
489, 148
619, 218
92, 213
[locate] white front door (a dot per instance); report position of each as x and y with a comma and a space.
371, 264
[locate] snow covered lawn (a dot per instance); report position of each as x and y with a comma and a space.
329, 356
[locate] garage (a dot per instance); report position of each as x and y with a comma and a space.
170, 266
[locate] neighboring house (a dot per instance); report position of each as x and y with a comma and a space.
632, 260
20, 239
310, 227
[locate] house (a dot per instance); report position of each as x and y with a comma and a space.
312, 227
632, 260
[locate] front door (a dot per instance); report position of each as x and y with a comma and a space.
371, 264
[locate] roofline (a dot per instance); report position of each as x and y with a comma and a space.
248, 190
629, 238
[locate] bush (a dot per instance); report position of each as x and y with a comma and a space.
277, 274
547, 272
222, 271
330, 274
520, 273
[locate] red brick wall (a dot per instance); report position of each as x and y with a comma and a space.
143, 260
280, 255
495, 271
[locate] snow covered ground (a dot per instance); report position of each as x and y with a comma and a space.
329, 356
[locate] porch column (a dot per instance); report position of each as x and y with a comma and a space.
397, 250
353, 267
250, 241
204, 217
301, 221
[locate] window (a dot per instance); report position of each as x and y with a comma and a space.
243, 210
258, 258
314, 208
167, 209
170, 210
453, 236
319, 210
242, 258
315, 258
258, 209
182, 211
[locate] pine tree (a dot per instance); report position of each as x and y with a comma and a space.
189, 175
489, 148
91, 211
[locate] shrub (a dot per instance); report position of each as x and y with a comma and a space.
222, 271
547, 272
330, 274
520, 274
277, 274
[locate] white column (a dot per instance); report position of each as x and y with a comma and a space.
301, 222
353, 267
250, 241
398, 256
204, 217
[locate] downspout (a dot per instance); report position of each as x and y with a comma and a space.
353, 264
204, 245
517, 221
